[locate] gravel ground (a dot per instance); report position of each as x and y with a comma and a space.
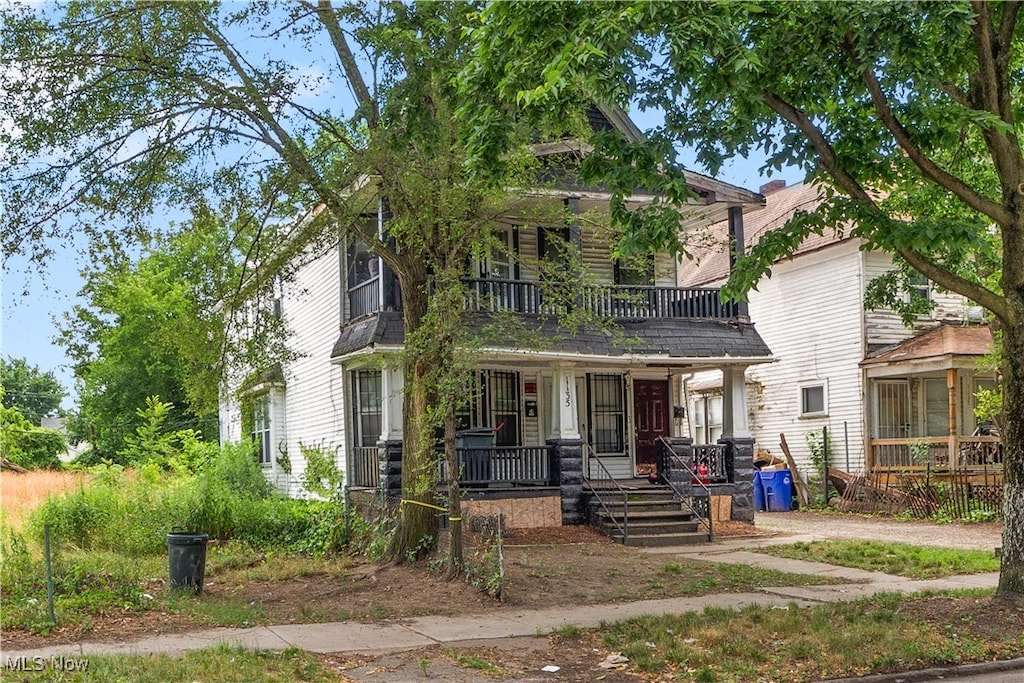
816, 526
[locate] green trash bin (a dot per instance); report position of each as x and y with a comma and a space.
186, 552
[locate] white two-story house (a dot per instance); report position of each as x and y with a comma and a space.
582, 406
878, 386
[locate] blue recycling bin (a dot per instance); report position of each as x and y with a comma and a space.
758, 493
778, 490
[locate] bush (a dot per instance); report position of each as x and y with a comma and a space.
132, 513
27, 445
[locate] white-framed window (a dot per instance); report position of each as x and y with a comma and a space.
813, 399
706, 418
261, 429
496, 402
936, 407
608, 414
919, 286
367, 405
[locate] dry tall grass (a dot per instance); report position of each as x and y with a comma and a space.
21, 493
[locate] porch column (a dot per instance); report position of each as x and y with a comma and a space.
952, 382
738, 441
564, 415
737, 244
389, 445
566, 444
734, 401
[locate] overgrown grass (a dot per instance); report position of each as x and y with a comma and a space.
21, 493
878, 634
900, 559
220, 663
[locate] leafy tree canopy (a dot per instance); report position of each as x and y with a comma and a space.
34, 393
907, 113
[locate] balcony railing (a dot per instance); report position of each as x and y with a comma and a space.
501, 465
365, 467
364, 298
608, 301
611, 301
934, 452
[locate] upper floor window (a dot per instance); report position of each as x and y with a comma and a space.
363, 274
919, 286
636, 271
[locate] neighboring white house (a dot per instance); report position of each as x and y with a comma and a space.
811, 313
585, 405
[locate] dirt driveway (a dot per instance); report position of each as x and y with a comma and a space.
817, 526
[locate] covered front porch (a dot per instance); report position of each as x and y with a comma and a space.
921, 400
563, 426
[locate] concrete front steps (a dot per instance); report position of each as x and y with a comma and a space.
655, 517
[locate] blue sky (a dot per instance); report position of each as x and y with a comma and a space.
29, 321
34, 301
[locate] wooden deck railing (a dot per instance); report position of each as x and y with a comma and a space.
502, 465
932, 452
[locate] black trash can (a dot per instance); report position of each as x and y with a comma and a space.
476, 447
186, 552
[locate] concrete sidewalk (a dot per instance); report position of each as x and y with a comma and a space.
424, 631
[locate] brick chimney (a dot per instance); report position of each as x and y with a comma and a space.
773, 186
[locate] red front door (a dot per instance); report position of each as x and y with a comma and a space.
650, 407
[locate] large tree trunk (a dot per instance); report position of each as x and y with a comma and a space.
416, 534
1011, 571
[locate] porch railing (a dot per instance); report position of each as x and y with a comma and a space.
709, 464
932, 452
699, 503
602, 485
365, 468
613, 301
497, 465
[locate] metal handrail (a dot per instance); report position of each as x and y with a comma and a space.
588, 456
704, 521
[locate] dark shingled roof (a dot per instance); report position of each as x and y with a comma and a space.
673, 337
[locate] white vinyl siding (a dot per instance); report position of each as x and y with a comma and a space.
314, 399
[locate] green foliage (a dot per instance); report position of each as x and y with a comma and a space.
27, 445
33, 392
149, 328
132, 512
322, 475
900, 559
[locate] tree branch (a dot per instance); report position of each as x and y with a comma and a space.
326, 14
954, 283
929, 168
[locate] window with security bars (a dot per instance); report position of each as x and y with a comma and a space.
366, 392
260, 433
608, 413
495, 402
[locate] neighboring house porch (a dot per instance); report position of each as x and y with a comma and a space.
921, 399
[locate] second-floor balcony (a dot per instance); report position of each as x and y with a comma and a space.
554, 299
604, 300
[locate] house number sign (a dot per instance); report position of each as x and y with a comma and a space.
568, 394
